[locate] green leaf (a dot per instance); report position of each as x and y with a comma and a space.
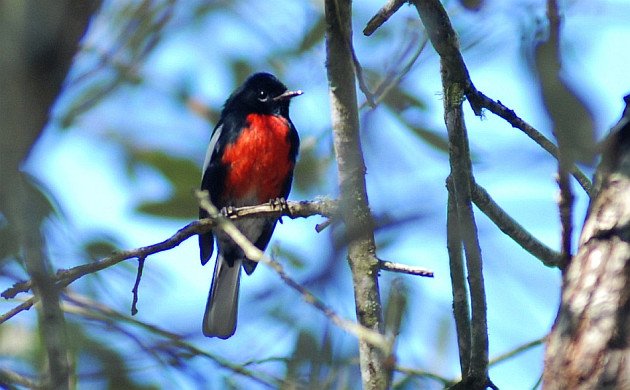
399, 100
179, 206
99, 248
311, 168
314, 36
439, 141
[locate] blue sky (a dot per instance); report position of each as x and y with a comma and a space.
85, 168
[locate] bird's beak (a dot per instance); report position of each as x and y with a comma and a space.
288, 95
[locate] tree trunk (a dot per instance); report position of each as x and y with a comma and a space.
589, 346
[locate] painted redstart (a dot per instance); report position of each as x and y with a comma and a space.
249, 161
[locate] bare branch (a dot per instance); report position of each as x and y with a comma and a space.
302, 209
89, 308
26, 305
11, 377
136, 286
404, 269
382, 16
456, 84
65, 277
549, 81
520, 349
510, 116
513, 229
462, 179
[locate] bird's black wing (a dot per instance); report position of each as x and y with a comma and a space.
212, 177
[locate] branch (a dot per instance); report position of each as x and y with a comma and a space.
461, 312
253, 253
456, 83
354, 208
461, 179
404, 269
444, 40
510, 116
513, 229
382, 16
65, 277
550, 79
89, 308
520, 349
8, 377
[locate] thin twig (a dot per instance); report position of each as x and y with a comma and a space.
8, 377
65, 277
394, 312
510, 116
565, 158
424, 374
392, 80
520, 349
382, 16
513, 229
136, 285
89, 308
363, 86
405, 269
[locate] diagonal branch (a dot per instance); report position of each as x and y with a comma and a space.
65, 277
512, 228
382, 16
510, 116
444, 41
253, 253
81, 305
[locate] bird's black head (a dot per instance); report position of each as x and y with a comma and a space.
261, 93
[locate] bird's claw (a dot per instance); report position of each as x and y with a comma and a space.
281, 204
228, 211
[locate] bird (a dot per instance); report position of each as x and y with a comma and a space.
250, 160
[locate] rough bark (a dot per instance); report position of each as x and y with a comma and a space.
589, 347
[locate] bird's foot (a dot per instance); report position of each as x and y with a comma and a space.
228, 211
281, 204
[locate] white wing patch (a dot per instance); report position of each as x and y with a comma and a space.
211, 146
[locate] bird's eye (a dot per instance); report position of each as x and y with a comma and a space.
262, 95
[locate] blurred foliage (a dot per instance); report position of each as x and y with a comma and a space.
124, 40
182, 176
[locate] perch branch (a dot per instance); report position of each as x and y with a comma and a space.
65, 277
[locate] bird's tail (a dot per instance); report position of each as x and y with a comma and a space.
219, 319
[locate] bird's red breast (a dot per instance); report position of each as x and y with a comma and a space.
258, 161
